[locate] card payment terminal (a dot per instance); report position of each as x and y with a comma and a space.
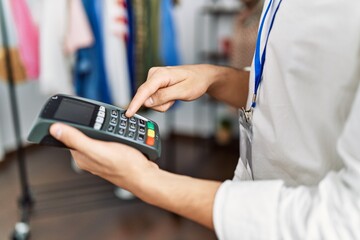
96, 120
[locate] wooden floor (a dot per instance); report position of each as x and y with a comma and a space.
72, 206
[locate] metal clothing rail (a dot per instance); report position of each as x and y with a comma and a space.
22, 229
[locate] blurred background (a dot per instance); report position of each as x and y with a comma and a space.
102, 49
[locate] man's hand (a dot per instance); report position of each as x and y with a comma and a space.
165, 85
115, 162
128, 168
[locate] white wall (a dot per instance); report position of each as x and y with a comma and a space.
193, 27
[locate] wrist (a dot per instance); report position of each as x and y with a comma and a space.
219, 74
229, 85
144, 180
183, 195
214, 73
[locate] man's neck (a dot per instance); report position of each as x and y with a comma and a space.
251, 4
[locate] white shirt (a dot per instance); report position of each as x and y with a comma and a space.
115, 52
306, 145
55, 74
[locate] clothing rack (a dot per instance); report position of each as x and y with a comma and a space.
26, 201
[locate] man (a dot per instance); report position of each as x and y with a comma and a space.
305, 123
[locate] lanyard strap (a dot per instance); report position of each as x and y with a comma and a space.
260, 58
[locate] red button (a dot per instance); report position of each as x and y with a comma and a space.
150, 141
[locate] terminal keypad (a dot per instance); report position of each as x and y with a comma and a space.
133, 128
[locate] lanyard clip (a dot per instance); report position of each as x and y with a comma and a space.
249, 112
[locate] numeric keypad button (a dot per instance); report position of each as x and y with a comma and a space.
123, 123
141, 137
114, 113
122, 131
111, 128
122, 116
113, 121
141, 122
131, 134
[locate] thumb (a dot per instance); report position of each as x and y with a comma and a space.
70, 136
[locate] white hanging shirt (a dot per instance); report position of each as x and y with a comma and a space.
306, 124
115, 31
55, 74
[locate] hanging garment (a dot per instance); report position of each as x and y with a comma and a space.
79, 34
151, 45
89, 74
168, 49
147, 32
28, 37
55, 71
153, 29
130, 46
19, 73
17, 66
140, 40
115, 35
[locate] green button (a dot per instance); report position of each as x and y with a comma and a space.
150, 125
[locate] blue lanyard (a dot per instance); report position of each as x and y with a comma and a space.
260, 60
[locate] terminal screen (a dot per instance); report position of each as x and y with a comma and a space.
75, 111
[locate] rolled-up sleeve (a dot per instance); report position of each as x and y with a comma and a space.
246, 210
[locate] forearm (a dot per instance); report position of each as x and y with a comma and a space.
229, 85
189, 197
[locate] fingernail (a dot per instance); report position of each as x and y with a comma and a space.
56, 131
128, 111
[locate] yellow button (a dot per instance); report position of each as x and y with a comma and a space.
151, 133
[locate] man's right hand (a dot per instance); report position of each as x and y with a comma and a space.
165, 85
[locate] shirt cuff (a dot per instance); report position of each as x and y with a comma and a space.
247, 210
